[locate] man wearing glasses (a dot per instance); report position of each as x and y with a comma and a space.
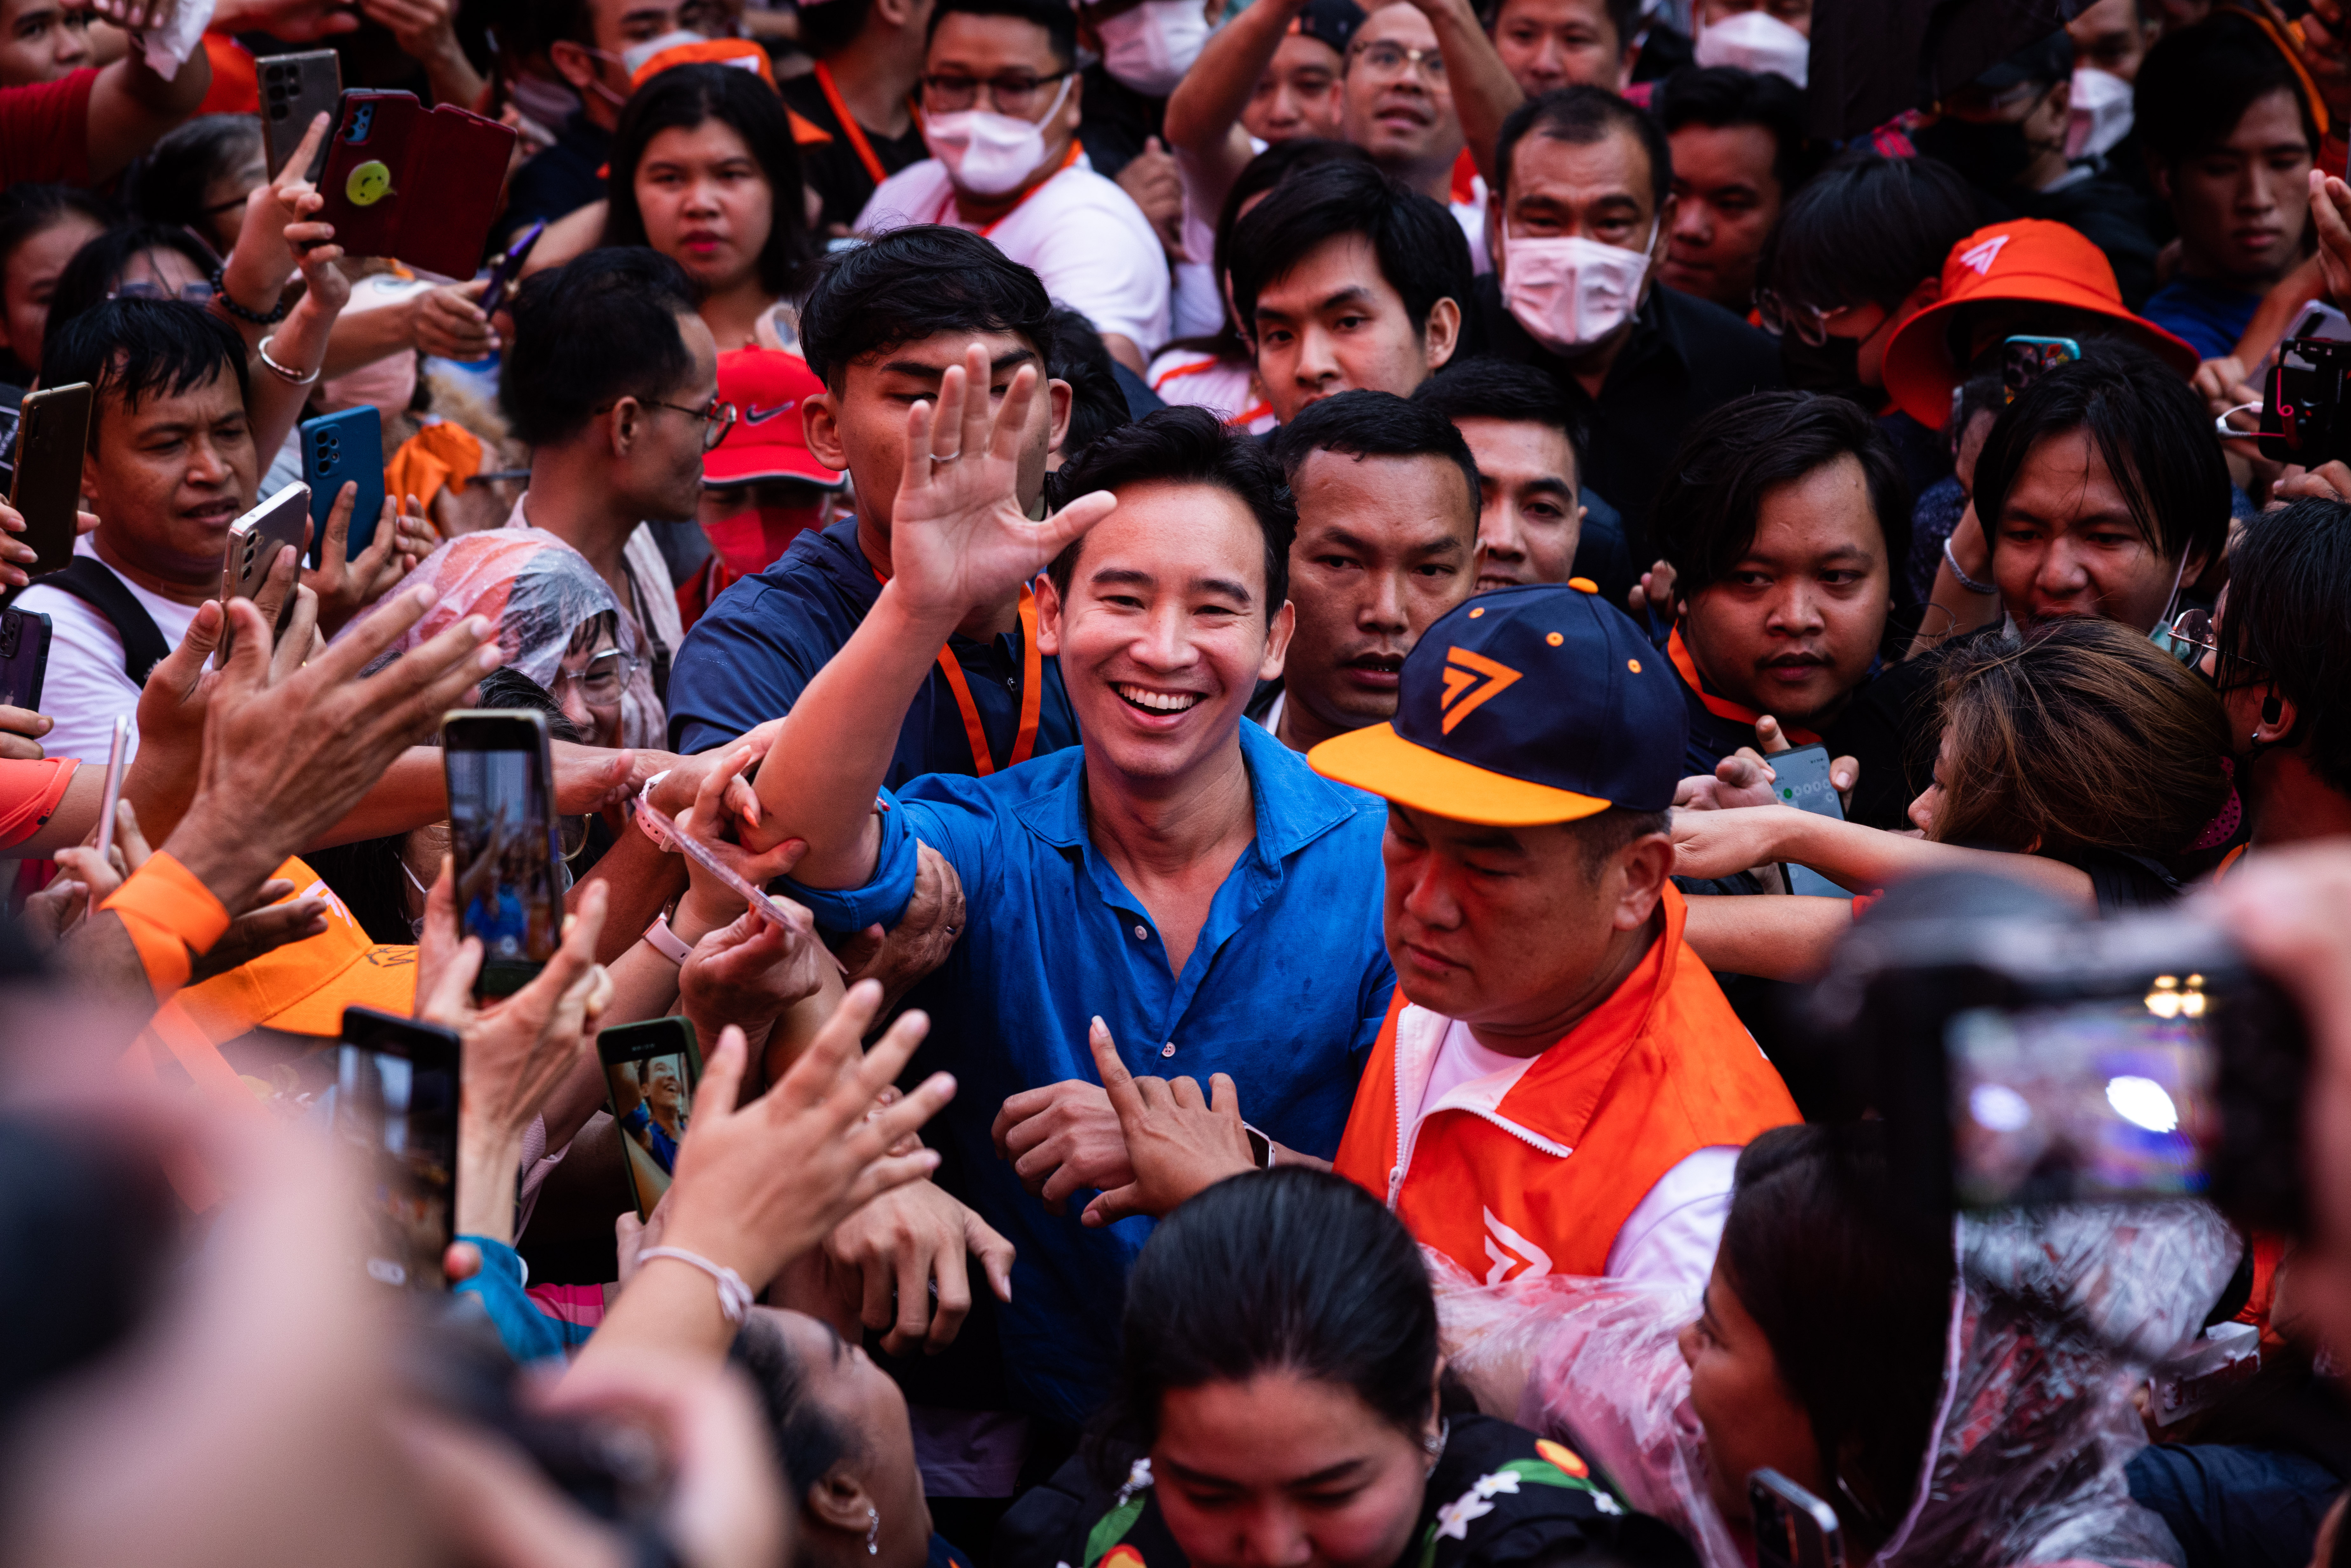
1422, 81
611, 380
1000, 106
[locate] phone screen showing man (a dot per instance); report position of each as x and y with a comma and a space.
651, 1099
500, 838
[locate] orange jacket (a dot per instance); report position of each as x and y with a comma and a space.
1534, 1174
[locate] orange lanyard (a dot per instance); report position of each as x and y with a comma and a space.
1722, 708
1032, 691
850, 129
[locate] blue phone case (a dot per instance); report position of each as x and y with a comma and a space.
337, 448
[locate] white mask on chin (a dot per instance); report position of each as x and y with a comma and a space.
1756, 41
1150, 47
636, 54
990, 153
2100, 115
1570, 293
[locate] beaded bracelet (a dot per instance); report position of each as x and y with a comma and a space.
220, 292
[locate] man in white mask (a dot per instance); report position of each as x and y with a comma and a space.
1578, 229
1757, 37
1001, 102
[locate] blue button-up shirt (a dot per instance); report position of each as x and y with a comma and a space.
1285, 989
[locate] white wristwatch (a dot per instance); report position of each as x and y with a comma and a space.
667, 942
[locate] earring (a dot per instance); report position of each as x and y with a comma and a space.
874, 1532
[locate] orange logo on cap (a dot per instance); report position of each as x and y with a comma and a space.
1981, 257
1471, 679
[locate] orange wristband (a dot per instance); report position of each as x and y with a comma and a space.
169, 914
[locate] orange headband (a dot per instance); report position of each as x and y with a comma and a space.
2277, 32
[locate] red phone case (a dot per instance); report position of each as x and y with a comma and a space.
446, 167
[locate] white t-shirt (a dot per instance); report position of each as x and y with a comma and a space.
1226, 388
1082, 234
86, 686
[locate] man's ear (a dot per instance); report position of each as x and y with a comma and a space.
1441, 335
621, 424
1624, 65
840, 1501
1277, 642
1659, 232
820, 423
1644, 864
573, 60
1048, 617
1058, 402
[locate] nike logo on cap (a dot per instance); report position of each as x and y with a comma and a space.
754, 414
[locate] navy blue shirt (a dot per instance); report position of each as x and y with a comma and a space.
1285, 989
761, 643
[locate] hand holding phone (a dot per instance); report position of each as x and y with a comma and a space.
508, 268
395, 1104
788, 916
1804, 783
52, 436
255, 542
23, 658
419, 184
339, 448
503, 842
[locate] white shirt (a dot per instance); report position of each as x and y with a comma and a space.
1083, 235
1226, 388
86, 687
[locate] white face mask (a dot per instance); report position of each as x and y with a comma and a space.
2101, 114
1150, 47
636, 54
1756, 41
1571, 293
990, 153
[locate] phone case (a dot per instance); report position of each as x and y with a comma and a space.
495, 730
337, 448
52, 434
418, 185
296, 88
23, 657
255, 538
502, 275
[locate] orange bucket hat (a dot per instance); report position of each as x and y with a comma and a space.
2026, 260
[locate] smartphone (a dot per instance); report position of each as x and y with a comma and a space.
395, 1105
112, 793
254, 541
651, 1069
337, 448
12, 411
509, 267
2026, 359
1803, 783
1794, 1528
501, 833
789, 917
23, 657
296, 89
418, 185
52, 434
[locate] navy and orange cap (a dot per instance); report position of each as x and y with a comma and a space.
1525, 706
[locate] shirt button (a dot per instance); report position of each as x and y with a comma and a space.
1143, 933
1167, 1050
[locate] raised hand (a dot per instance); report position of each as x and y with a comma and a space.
1177, 1142
959, 537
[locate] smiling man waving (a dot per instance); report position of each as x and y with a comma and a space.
1180, 875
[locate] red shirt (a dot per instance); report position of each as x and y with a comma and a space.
45, 131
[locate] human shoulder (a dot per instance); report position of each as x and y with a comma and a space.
1717, 344
912, 196
1500, 1494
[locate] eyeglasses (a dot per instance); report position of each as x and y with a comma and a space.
1780, 317
717, 416
147, 288
2197, 629
1014, 93
1387, 59
605, 680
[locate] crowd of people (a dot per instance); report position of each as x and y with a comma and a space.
1266, 728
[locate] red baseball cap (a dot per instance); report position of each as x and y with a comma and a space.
2025, 259
767, 387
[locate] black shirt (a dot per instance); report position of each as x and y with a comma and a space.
1115, 120
832, 169
562, 177
1686, 358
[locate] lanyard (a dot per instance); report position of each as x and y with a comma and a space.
1032, 691
1722, 708
850, 129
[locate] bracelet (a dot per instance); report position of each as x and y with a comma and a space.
645, 823
1969, 583
734, 1295
667, 942
220, 292
290, 378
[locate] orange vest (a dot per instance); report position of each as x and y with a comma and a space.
1536, 1175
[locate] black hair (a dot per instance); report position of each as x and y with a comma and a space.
601, 327
2154, 432
1722, 97
915, 283
1581, 116
1624, 15
2289, 619
1704, 516
138, 349
1259, 174
1853, 1296
686, 97
1289, 1269
168, 184
1075, 354
826, 29
2196, 83
1368, 423
1186, 445
1489, 388
96, 268
809, 1441
1420, 249
1867, 229
1059, 21
29, 210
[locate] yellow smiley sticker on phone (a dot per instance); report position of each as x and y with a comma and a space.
369, 184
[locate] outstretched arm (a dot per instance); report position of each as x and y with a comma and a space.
1725, 842
1204, 110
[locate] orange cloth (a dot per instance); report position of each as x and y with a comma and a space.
29, 793
1722, 708
806, 133
443, 453
237, 80
168, 913
1542, 1180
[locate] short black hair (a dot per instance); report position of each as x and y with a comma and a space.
1188, 446
1723, 97
826, 29
684, 96
1489, 388
1624, 15
1868, 229
1704, 516
96, 268
1367, 423
1581, 116
1421, 250
167, 185
808, 1439
138, 349
915, 283
2154, 432
1097, 403
1259, 174
2196, 83
603, 325
2289, 621
1059, 21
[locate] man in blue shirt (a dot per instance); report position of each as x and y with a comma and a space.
882, 325
1182, 875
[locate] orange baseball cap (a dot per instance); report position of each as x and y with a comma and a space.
304, 986
2027, 260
